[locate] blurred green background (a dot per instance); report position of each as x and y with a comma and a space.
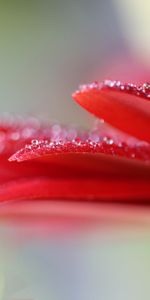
47, 48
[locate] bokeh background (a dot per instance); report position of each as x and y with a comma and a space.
47, 48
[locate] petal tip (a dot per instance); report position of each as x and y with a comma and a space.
12, 158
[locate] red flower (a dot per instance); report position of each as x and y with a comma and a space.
56, 162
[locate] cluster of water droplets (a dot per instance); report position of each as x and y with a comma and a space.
61, 139
36, 138
17, 131
137, 90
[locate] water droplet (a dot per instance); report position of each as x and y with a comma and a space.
146, 86
28, 147
118, 83
35, 142
109, 83
108, 140
122, 87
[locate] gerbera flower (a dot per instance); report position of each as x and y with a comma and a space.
105, 163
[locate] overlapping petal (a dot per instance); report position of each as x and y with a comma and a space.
51, 161
125, 106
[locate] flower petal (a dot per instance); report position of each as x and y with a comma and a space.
104, 189
124, 106
89, 158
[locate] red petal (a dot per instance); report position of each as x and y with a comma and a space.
105, 157
125, 106
77, 189
78, 169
